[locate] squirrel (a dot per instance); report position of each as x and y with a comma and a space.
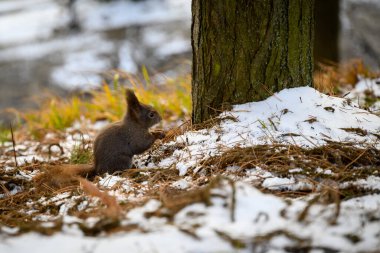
114, 147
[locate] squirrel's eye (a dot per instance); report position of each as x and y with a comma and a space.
151, 114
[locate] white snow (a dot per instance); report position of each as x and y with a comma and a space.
181, 184
41, 49
255, 214
100, 16
370, 182
289, 184
125, 54
16, 189
300, 116
366, 85
109, 181
35, 23
180, 45
81, 67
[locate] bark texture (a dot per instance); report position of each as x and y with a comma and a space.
245, 50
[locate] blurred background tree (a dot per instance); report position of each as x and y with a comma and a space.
326, 43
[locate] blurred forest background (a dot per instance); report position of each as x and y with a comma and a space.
61, 46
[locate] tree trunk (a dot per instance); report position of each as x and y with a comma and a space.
245, 50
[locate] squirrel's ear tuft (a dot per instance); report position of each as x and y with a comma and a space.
132, 100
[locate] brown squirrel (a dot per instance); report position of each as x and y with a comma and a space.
114, 146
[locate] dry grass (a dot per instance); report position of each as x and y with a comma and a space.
330, 78
24, 209
172, 100
175, 199
345, 161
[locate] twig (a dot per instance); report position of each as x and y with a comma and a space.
357, 158
7, 193
14, 145
303, 214
233, 200
270, 92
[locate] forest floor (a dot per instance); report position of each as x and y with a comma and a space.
297, 172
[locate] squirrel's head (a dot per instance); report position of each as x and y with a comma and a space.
143, 114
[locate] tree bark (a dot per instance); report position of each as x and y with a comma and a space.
245, 50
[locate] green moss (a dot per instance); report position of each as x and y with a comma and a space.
216, 69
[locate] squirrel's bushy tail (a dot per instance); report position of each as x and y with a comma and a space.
60, 176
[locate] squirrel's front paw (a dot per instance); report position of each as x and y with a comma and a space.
158, 134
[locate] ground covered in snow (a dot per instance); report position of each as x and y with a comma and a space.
297, 172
